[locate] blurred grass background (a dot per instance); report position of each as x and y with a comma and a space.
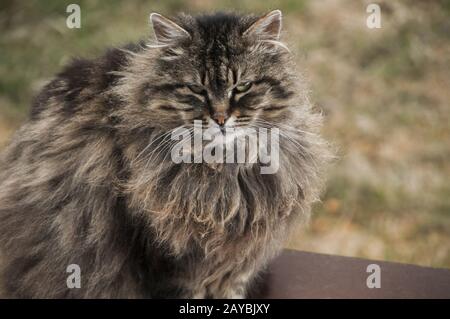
385, 94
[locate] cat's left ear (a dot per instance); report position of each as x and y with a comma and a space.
166, 31
268, 27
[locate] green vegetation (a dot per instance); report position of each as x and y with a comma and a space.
385, 93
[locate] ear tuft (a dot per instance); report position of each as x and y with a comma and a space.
166, 31
268, 27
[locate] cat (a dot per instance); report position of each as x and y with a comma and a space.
88, 179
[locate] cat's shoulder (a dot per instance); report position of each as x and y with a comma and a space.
82, 79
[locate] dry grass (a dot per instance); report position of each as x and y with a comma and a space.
384, 93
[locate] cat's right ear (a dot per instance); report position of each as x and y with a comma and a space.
166, 31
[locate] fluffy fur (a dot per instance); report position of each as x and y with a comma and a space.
88, 180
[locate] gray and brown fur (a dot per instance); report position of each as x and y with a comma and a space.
88, 180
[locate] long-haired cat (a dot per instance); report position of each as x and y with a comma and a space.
89, 179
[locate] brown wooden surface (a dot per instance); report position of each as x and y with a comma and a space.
296, 274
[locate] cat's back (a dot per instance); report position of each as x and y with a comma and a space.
81, 82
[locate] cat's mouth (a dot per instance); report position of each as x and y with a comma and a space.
231, 144
222, 135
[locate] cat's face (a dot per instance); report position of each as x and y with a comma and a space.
227, 71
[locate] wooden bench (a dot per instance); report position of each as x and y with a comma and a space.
296, 274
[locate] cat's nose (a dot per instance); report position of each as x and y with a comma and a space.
220, 117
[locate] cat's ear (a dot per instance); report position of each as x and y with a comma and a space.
268, 27
166, 31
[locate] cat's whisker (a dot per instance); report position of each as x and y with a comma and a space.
301, 149
148, 145
158, 150
299, 146
161, 145
162, 142
286, 127
152, 141
293, 131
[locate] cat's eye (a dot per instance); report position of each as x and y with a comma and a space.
197, 89
243, 87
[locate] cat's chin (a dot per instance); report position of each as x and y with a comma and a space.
214, 136
220, 167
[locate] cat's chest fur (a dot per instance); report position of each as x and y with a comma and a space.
235, 206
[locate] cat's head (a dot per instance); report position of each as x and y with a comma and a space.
223, 69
